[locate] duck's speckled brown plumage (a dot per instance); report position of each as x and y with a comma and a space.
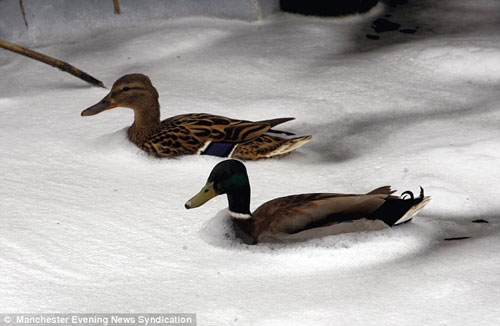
189, 133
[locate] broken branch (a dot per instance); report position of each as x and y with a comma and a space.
61, 65
117, 6
23, 12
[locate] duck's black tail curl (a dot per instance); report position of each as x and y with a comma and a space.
395, 209
412, 197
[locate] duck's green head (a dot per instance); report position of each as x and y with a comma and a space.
228, 177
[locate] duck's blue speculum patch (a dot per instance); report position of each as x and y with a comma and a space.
221, 149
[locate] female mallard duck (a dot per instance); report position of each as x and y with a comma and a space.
193, 133
306, 216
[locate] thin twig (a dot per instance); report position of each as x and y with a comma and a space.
117, 6
23, 12
61, 65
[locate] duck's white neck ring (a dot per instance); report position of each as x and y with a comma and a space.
239, 215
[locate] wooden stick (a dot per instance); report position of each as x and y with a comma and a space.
117, 6
61, 65
256, 8
23, 12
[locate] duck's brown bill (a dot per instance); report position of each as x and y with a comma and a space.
98, 108
206, 193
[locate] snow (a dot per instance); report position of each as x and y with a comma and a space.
89, 223
58, 20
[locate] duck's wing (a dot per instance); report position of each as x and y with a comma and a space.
307, 216
213, 128
202, 133
297, 213
267, 146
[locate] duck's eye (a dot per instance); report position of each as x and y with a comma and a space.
124, 89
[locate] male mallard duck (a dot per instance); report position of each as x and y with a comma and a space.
306, 216
193, 133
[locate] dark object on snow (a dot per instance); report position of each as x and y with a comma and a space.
456, 238
480, 221
61, 65
372, 37
381, 25
408, 31
395, 3
326, 8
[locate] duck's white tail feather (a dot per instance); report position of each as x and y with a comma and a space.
289, 146
413, 210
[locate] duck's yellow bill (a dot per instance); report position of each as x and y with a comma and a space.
206, 193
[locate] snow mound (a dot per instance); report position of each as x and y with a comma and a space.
86, 214
471, 62
339, 251
114, 144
